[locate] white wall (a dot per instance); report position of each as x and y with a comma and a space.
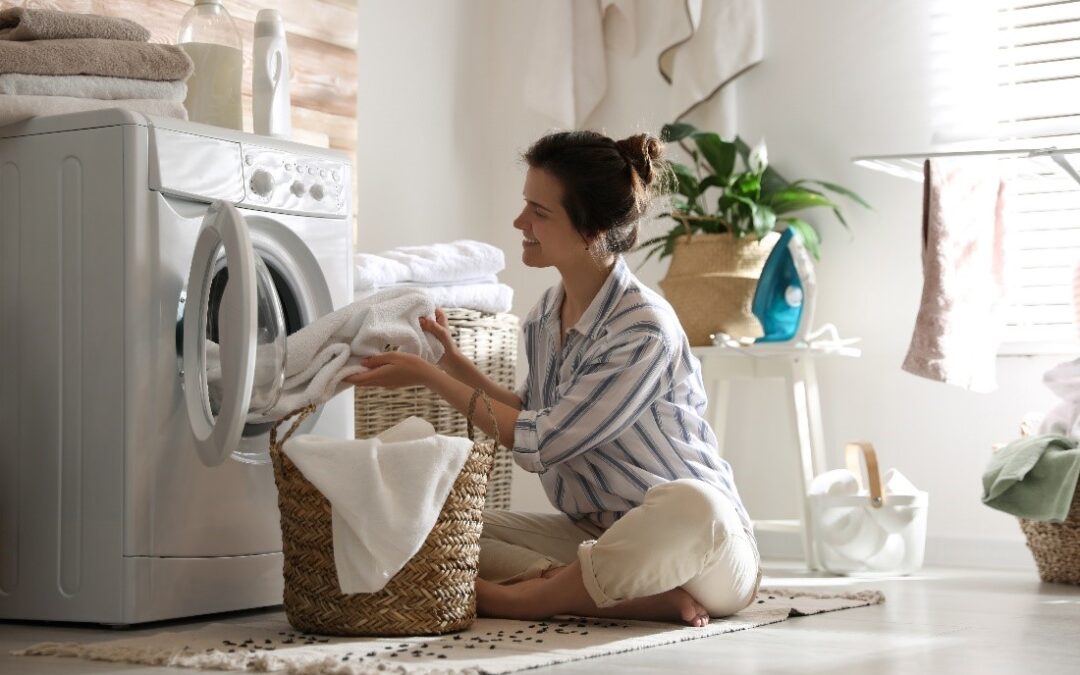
442, 127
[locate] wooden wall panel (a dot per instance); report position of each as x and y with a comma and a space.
322, 38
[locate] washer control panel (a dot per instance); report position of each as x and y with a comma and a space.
274, 179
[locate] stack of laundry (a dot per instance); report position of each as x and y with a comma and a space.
458, 274
54, 62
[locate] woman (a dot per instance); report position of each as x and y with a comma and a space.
610, 415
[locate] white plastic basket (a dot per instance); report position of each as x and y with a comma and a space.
869, 533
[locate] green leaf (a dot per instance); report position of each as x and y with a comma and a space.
676, 132
795, 199
840, 190
719, 154
809, 235
771, 180
711, 181
764, 220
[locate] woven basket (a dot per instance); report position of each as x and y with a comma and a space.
711, 282
1056, 546
488, 340
433, 593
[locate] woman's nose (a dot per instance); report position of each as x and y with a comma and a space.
519, 222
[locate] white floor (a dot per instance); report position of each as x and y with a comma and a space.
941, 621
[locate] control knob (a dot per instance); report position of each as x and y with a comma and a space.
262, 183
297, 188
317, 191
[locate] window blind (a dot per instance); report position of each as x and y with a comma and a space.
1037, 95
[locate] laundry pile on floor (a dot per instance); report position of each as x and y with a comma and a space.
54, 62
1035, 476
460, 274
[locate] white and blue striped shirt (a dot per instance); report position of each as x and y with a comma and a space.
619, 408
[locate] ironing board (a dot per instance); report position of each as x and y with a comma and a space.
796, 366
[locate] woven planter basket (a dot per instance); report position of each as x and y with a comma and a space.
711, 282
433, 593
488, 340
1056, 546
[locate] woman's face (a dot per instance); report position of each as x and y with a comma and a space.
549, 237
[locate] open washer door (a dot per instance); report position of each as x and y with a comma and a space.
234, 349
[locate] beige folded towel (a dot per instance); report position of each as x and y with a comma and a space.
91, 56
91, 86
18, 108
21, 23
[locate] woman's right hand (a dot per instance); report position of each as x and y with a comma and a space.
440, 328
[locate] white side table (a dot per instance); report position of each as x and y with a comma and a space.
794, 365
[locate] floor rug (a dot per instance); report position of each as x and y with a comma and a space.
490, 646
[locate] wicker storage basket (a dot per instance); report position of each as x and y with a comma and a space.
488, 340
433, 593
1056, 546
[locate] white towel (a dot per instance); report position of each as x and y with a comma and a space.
19, 108
718, 41
491, 298
322, 354
91, 86
1064, 419
960, 320
385, 495
463, 261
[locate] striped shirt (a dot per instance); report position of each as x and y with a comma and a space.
619, 408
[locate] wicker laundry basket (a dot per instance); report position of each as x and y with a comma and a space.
433, 593
1056, 546
488, 340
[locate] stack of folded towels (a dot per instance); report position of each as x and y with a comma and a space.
55, 62
459, 274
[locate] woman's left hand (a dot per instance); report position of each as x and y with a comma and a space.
393, 370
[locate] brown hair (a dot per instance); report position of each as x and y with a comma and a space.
607, 184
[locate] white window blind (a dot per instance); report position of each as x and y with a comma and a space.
1009, 76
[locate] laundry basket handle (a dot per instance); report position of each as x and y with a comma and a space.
301, 414
873, 477
480, 393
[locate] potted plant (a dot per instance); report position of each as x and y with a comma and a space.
726, 223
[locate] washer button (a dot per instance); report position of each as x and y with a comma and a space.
317, 192
297, 188
336, 176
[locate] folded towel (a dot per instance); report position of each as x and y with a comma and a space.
23, 23
461, 261
960, 320
18, 108
1033, 477
322, 354
385, 495
113, 58
91, 86
491, 298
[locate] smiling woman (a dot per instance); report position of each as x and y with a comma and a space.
610, 416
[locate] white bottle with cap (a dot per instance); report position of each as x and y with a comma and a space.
270, 107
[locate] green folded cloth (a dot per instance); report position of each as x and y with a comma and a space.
1033, 477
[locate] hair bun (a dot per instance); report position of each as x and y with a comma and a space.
641, 151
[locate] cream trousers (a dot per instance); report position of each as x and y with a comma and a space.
686, 533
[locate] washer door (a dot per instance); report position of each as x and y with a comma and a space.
234, 358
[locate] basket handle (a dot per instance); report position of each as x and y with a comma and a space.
865, 449
480, 393
301, 414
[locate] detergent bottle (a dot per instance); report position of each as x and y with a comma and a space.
209, 36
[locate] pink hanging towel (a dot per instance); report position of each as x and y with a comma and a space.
958, 328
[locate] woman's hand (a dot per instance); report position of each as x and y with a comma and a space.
440, 328
393, 370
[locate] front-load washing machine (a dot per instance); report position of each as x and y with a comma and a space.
149, 272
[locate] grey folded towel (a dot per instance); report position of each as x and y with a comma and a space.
94, 56
21, 23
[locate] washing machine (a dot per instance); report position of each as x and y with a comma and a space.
150, 270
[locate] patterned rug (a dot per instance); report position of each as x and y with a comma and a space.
490, 646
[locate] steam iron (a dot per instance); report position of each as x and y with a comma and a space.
784, 298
